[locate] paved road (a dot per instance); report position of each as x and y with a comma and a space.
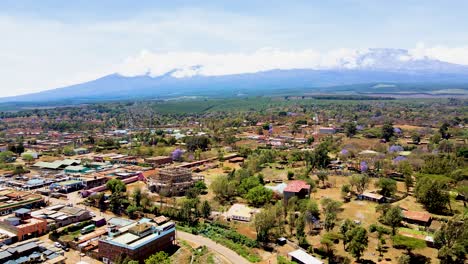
230, 255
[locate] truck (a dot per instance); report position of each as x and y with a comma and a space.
88, 229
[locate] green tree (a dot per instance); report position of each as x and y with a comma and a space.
68, 151
264, 221
136, 195
393, 218
404, 259
346, 226
223, 189
405, 168
6, 156
330, 209
387, 131
259, 195
206, 209
350, 129
432, 193
197, 142
387, 186
300, 227
358, 243
28, 158
159, 258
116, 185
452, 241
131, 210
443, 130
201, 186
416, 137
359, 181
322, 176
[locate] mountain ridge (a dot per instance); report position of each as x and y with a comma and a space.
378, 66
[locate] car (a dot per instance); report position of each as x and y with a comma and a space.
66, 249
57, 244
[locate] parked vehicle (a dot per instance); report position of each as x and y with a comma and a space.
88, 229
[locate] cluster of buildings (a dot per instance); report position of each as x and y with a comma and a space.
32, 252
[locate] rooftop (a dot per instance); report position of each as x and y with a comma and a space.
418, 216
305, 258
296, 186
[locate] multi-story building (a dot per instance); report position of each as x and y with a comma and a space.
171, 181
136, 241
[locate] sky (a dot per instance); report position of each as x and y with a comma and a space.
49, 44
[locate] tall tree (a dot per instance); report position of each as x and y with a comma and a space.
387, 131
387, 186
432, 193
359, 241
393, 218
350, 129
452, 241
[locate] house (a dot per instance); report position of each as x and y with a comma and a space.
370, 196
240, 212
297, 188
418, 218
136, 241
301, 257
81, 151
158, 160
327, 130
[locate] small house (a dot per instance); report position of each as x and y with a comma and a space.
374, 197
297, 188
418, 218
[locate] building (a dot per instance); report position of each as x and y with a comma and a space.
370, 196
327, 130
159, 161
76, 169
81, 151
136, 241
68, 186
60, 215
297, 188
171, 181
12, 199
240, 212
418, 218
23, 225
56, 165
301, 257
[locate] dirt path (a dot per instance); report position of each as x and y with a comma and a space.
230, 255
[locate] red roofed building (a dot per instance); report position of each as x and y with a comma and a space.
296, 188
419, 218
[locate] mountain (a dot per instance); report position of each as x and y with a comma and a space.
372, 71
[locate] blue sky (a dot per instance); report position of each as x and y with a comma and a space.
47, 44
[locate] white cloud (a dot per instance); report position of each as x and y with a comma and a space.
458, 55
212, 64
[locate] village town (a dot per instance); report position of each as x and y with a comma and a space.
372, 181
